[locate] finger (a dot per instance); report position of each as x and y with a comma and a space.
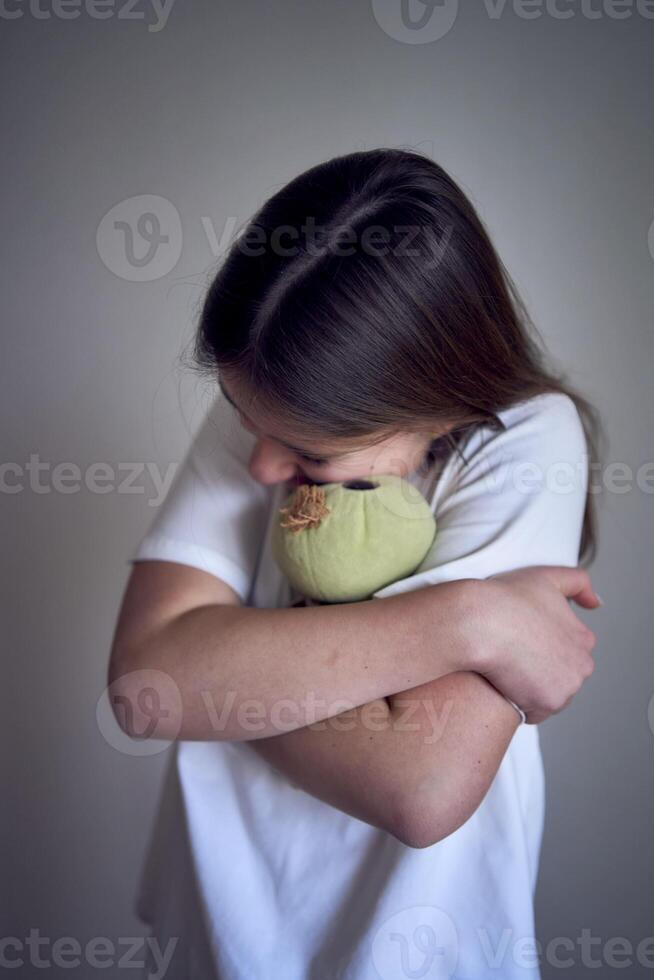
575, 584
582, 634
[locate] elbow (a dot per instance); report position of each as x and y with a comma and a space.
428, 816
419, 831
146, 702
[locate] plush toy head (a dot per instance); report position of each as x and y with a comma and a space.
340, 542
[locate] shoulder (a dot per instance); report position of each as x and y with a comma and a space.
529, 472
214, 515
541, 432
553, 415
514, 495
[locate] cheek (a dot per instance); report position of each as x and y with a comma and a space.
399, 460
335, 472
350, 469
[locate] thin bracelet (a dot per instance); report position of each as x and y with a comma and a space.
523, 717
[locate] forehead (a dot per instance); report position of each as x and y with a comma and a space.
291, 439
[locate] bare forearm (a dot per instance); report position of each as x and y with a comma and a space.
346, 761
463, 727
417, 765
241, 673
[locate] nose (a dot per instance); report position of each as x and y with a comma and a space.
271, 463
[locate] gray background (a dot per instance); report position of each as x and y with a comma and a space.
545, 122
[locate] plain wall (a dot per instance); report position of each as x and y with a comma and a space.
547, 124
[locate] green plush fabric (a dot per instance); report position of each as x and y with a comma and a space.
363, 539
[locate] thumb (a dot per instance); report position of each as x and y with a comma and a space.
575, 584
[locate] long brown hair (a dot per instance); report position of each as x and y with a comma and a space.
365, 297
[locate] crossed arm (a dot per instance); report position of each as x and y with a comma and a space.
420, 787
416, 764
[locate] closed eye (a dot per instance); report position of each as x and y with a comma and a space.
247, 424
314, 461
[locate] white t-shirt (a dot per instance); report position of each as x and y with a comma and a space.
260, 880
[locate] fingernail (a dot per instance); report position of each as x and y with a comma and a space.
599, 599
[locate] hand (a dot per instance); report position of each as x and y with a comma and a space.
528, 642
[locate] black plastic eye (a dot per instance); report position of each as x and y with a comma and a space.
360, 485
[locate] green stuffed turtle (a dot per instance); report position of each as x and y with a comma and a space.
341, 542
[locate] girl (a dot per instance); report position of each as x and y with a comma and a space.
352, 794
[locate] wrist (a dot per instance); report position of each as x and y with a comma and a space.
469, 623
448, 626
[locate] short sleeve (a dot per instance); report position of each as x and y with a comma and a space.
214, 514
517, 498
